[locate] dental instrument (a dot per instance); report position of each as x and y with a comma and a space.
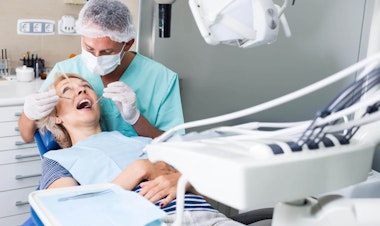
68, 98
98, 100
66, 77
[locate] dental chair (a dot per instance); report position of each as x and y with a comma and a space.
45, 142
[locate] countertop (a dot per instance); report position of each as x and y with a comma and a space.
13, 92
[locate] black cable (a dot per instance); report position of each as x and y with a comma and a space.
346, 98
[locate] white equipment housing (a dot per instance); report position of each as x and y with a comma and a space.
244, 171
236, 174
244, 23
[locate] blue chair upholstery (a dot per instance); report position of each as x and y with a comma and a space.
34, 220
45, 142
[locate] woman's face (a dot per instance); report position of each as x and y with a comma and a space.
76, 106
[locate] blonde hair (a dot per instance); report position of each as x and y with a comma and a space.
59, 132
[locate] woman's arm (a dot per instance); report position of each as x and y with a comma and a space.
141, 170
161, 180
55, 175
131, 176
63, 182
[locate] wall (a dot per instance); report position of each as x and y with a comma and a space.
52, 48
327, 36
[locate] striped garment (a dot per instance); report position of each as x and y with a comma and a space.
52, 170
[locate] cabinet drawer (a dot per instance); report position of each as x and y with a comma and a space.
14, 220
9, 129
10, 113
19, 155
15, 202
15, 142
20, 175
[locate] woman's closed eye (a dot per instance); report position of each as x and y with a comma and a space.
87, 86
66, 89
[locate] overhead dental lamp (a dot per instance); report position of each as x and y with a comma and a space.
243, 23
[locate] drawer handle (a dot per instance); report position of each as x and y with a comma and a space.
26, 156
18, 114
21, 203
19, 142
17, 129
20, 177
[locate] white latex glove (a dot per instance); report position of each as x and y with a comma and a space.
39, 105
125, 100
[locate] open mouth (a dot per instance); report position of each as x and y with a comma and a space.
85, 103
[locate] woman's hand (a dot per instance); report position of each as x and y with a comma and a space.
156, 169
160, 180
161, 183
164, 186
142, 170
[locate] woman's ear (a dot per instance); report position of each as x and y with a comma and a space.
58, 120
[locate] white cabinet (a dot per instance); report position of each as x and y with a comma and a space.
14, 220
20, 166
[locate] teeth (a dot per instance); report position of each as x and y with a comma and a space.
85, 103
85, 100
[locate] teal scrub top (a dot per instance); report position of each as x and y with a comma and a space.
156, 87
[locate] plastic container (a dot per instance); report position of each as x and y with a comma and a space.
24, 74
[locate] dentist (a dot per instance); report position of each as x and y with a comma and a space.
141, 96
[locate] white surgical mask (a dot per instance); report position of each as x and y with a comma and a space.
102, 65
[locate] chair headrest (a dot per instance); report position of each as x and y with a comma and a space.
45, 142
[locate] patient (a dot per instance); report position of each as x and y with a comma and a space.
90, 156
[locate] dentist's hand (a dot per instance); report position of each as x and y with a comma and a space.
39, 105
125, 100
